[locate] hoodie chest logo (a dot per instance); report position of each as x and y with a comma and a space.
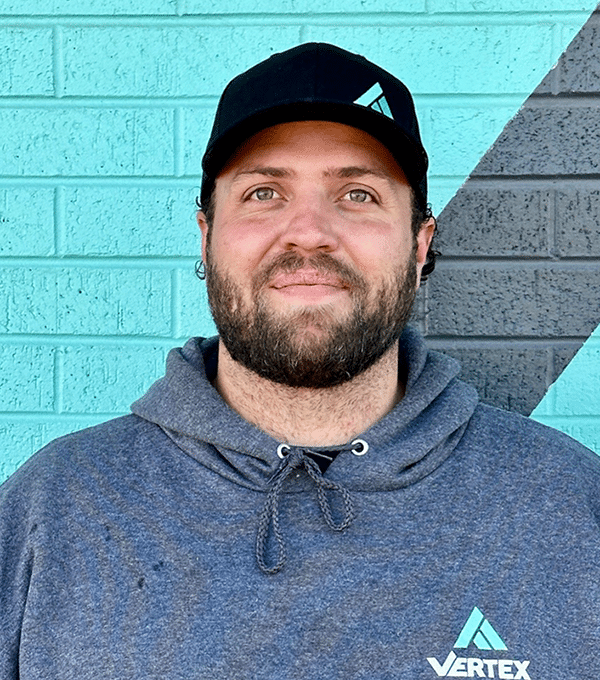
478, 631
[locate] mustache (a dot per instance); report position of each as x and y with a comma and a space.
323, 263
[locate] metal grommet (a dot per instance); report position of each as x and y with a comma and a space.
359, 447
280, 450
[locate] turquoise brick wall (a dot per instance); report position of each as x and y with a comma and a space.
105, 106
572, 404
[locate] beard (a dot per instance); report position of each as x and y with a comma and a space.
311, 347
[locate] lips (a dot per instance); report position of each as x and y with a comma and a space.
306, 278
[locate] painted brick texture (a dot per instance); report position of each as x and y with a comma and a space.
105, 107
532, 205
32, 73
86, 142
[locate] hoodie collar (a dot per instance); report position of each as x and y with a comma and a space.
407, 444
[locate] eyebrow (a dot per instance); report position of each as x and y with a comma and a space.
346, 172
352, 171
265, 171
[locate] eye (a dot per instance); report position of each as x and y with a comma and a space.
263, 194
359, 196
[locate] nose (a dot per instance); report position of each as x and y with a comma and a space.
309, 227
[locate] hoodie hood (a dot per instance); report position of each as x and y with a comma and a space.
407, 444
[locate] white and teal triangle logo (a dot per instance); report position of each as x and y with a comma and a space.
479, 631
374, 99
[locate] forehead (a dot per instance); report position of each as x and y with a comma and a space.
322, 147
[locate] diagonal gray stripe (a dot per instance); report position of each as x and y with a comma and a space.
516, 294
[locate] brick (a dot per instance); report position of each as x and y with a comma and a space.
130, 221
19, 440
114, 302
580, 71
26, 222
546, 140
73, 141
174, 61
193, 313
85, 301
108, 378
497, 374
29, 303
441, 191
449, 67
562, 356
586, 432
549, 83
197, 124
513, 300
418, 317
456, 137
493, 221
482, 6
83, 7
578, 222
577, 392
26, 61
26, 378
305, 6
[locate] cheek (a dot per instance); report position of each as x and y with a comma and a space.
381, 250
244, 243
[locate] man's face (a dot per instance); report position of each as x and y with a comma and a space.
311, 262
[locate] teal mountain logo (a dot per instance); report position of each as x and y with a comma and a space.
374, 99
479, 632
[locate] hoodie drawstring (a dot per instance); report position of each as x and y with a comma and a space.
294, 460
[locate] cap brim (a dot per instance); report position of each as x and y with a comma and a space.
407, 154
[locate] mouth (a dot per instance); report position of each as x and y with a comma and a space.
306, 278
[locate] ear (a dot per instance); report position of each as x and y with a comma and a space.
423, 242
201, 219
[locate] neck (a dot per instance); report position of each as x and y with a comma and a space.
311, 417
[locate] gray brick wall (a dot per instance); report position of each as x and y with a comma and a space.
517, 291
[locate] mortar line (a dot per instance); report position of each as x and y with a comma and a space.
64, 340
450, 100
175, 303
156, 263
363, 19
550, 360
574, 418
58, 379
186, 182
58, 61
426, 309
41, 416
552, 399
555, 80
59, 219
178, 133
499, 341
552, 217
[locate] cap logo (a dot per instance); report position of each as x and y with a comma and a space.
374, 99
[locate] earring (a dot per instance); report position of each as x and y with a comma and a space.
200, 270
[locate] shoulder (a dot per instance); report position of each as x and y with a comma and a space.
521, 448
50, 473
513, 430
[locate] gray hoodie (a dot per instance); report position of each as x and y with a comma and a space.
176, 543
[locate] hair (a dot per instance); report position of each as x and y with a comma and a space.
420, 214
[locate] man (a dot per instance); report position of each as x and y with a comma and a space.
313, 494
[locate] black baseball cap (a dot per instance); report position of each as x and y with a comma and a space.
317, 81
